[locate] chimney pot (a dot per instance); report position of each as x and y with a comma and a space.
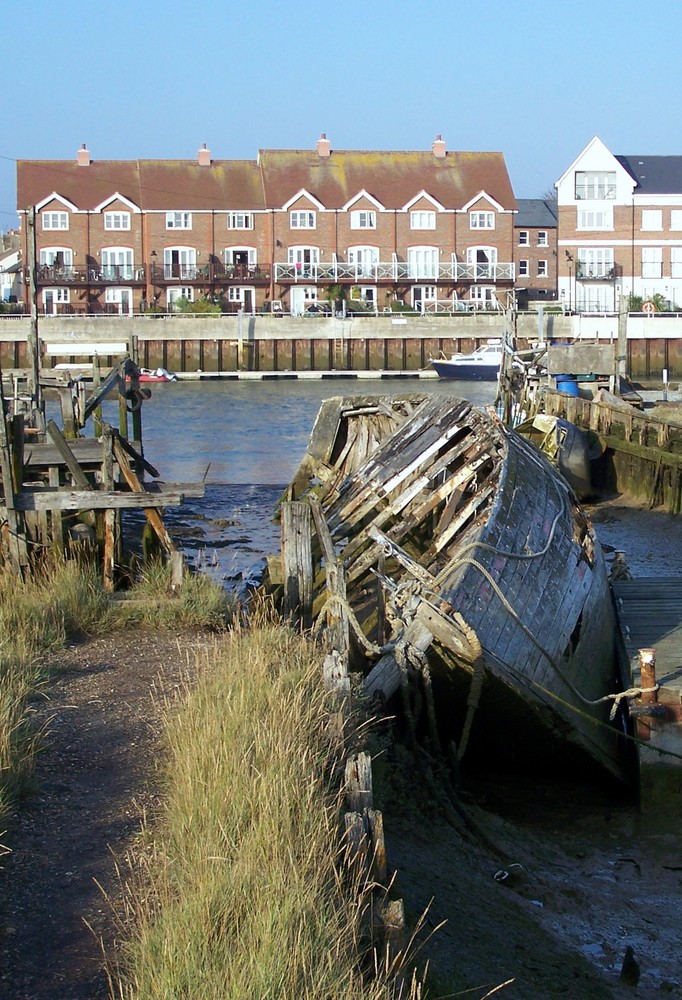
323, 146
83, 156
204, 156
439, 147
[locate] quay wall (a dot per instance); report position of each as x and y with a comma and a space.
287, 343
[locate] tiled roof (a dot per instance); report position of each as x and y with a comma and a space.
535, 213
393, 178
654, 174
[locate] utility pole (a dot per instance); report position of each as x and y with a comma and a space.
33, 339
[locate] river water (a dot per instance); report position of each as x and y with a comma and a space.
245, 440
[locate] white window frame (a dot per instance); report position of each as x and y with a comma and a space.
365, 260
422, 219
363, 219
118, 259
543, 238
676, 262
117, 221
229, 252
676, 219
481, 220
543, 270
483, 268
482, 294
121, 297
240, 220
179, 292
304, 259
178, 220
422, 262
59, 296
55, 221
302, 218
524, 238
187, 262
595, 185
524, 268
652, 220
595, 218
652, 262
594, 262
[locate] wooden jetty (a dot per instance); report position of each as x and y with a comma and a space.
59, 487
467, 560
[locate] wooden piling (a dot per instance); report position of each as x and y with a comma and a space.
297, 562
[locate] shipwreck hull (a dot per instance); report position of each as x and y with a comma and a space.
462, 537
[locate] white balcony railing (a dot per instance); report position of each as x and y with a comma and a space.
393, 270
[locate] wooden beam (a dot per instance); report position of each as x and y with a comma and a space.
297, 561
43, 498
152, 515
79, 477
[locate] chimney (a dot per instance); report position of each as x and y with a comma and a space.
83, 156
439, 147
323, 146
204, 156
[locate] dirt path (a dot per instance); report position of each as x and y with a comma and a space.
94, 781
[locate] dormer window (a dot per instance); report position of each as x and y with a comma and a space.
363, 220
481, 220
117, 220
302, 220
55, 220
178, 220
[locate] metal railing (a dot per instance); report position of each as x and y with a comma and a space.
600, 271
394, 270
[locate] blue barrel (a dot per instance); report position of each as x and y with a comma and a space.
567, 384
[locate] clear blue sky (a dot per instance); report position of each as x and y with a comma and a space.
535, 79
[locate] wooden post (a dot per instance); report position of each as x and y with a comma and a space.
109, 517
622, 355
16, 542
68, 415
122, 409
297, 562
96, 382
56, 515
358, 782
17, 425
33, 339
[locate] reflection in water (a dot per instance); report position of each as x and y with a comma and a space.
246, 439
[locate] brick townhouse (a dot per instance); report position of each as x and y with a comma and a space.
294, 230
535, 227
620, 229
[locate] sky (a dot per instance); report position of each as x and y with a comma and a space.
534, 79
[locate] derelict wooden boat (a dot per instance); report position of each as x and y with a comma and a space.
459, 532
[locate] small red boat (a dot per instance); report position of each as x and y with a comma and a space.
155, 375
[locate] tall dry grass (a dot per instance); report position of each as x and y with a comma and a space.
239, 892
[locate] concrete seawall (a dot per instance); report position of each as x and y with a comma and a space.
285, 343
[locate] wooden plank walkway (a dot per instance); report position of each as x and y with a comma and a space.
650, 615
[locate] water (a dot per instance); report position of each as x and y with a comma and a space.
245, 440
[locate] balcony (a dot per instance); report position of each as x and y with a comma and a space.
394, 270
604, 271
61, 274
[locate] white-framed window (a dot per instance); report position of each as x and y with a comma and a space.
235, 293
595, 218
652, 262
367, 294
594, 262
240, 257
524, 238
543, 239
422, 220
676, 262
652, 218
365, 260
481, 220
240, 220
55, 220
542, 269
178, 220
362, 219
304, 260
482, 261
121, 299
55, 297
676, 218
180, 292
302, 219
422, 262
180, 262
482, 296
56, 256
523, 269
595, 185
117, 220
117, 263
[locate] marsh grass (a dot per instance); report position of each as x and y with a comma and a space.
63, 598
238, 890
